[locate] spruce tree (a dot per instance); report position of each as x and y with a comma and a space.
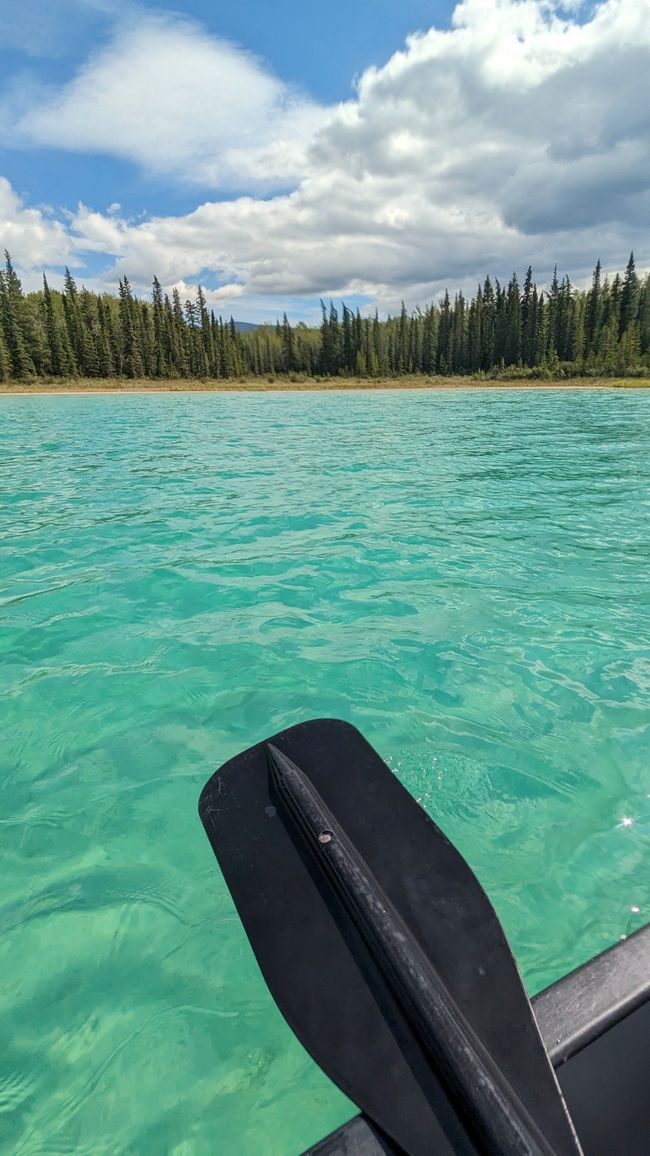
346, 339
379, 357
415, 341
161, 368
615, 300
607, 346
444, 335
59, 359
89, 354
72, 319
330, 341
132, 365
629, 297
500, 323
359, 337
171, 365
577, 348
179, 339
105, 348
528, 320
541, 341
146, 338
488, 327
400, 357
429, 341
512, 336
553, 321
629, 350
288, 353
5, 360
198, 364
458, 336
237, 354
474, 327
203, 319
644, 317
12, 317
594, 308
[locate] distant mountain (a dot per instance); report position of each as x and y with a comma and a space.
244, 326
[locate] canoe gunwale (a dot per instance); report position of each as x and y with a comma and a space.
572, 1014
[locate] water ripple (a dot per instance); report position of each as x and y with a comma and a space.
465, 576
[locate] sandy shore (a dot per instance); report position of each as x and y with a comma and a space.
103, 387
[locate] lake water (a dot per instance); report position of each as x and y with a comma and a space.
463, 575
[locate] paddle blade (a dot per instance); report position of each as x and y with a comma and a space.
319, 968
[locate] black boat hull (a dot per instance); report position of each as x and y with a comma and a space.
595, 1023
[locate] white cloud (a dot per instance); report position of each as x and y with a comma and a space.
217, 299
177, 101
33, 236
517, 135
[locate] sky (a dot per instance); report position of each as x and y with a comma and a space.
280, 152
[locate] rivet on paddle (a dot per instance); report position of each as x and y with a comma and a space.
325, 837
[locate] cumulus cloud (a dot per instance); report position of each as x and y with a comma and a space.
217, 299
35, 236
519, 133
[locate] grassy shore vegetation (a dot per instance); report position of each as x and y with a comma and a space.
300, 383
504, 333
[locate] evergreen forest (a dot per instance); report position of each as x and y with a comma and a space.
510, 330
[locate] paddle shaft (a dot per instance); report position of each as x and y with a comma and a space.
489, 1107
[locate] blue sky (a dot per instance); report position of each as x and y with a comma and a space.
319, 48
280, 152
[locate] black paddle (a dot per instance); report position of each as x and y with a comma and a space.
381, 949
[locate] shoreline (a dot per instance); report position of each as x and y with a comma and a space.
329, 385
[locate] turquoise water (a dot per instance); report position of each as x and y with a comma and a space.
465, 576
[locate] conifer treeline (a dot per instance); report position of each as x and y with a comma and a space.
519, 331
